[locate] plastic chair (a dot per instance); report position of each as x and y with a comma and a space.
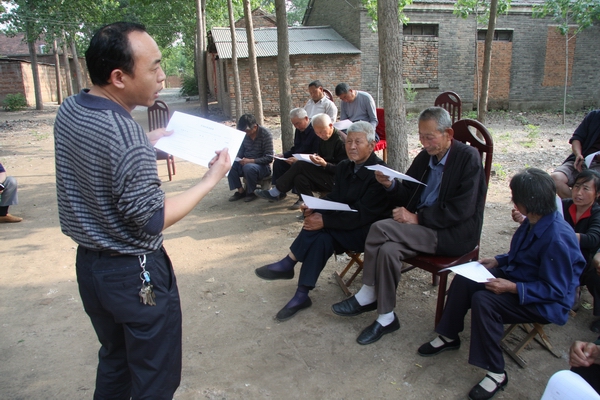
158, 117
469, 132
451, 102
380, 130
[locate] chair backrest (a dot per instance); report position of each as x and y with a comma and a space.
328, 94
158, 115
473, 133
450, 102
380, 128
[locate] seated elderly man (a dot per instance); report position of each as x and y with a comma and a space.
255, 156
305, 142
306, 177
534, 282
356, 105
445, 218
319, 103
328, 232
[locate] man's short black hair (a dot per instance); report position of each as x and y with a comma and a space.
246, 121
316, 84
534, 190
342, 88
589, 175
109, 50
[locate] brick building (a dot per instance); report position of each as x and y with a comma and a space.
528, 57
315, 53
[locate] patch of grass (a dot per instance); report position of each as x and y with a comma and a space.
14, 102
40, 136
528, 144
533, 131
470, 114
499, 170
410, 93
522, 119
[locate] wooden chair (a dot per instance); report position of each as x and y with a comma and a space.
469, 132
534, 331
451, 102
355, 258
158, 117
380, 130
328, 94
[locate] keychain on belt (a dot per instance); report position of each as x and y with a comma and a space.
147, 295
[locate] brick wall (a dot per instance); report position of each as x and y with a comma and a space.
304, 69
420, 60
173, 81
499, 83
554, 65
11, 79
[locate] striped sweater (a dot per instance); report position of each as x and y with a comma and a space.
106, 179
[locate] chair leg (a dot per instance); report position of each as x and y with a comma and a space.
439, 309
169, 168
385, 155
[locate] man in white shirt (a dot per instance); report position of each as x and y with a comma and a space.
319, 103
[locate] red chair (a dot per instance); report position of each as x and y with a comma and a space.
328, 94
158, 117
451, 102
470, 132
380, 130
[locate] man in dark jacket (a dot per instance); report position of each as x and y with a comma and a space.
325, 232
443, 217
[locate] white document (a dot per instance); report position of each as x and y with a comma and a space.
392, 173
196, 139
304, 157
280, 158
473, 270
590, 158
315, 203
341, 125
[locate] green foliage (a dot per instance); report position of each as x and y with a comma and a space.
470, 114
566, 13
410, 94
499, 170
522, 119
295, 12
189, 86
14, 102
371, 6
533, 131
479, 8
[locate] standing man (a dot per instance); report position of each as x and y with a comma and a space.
443, 218
110, 203
305, 142
319, 103
8, 196
585, 141
253, 159
356, 105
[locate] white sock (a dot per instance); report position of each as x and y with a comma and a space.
366, 295
274, 191
386, 319
490, 385
437, 342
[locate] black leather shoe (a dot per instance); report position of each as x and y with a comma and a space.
427, 350
479, 393
264, 194
351, 308
265, 273
375, 331
286, 313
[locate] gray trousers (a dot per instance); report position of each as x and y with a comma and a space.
8, 197
388, 243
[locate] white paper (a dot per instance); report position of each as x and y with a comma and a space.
590, 158
315, 203
304, 157
341, 125
393, 174
196, 139
280, 158
473, 270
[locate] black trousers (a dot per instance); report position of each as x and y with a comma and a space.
305, 178
489, 313
313, 249
280, 167
591, 374
140, 356
591, 280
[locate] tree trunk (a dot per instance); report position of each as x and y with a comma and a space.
67, 66
283, 67
234, 63
39, 104
59, 97
390, 60
78, 72
566, 74
201, 56
254, 81
487, 62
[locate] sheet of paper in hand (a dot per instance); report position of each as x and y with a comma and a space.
319, 204
473, 270
304, 157
196, 139
393, 173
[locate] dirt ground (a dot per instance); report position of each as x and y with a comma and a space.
232, 346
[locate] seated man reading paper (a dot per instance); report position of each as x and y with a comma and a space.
326, 232
535, 282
